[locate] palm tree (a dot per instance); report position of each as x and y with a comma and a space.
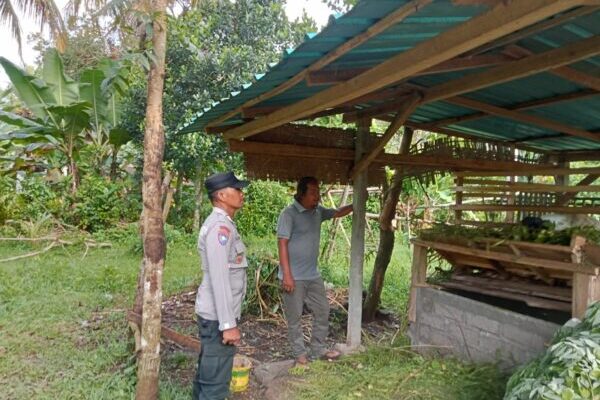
45, 12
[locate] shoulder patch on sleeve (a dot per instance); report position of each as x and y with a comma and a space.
223, 235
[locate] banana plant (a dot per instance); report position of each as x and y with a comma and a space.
64, 115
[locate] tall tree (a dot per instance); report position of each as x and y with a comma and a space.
153, 227
43, 11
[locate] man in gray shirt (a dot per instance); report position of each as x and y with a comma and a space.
220, 295
298, 236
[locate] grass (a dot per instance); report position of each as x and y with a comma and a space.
63, 333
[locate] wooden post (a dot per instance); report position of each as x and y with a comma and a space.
586, 288
459, 198
357, 251
417, 279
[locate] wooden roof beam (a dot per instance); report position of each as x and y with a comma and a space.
374, 30
499, 21
539, 27
564, 72
581, 94
328, 77
402, 115
526, 118
518, 69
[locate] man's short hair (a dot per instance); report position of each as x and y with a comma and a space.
213, 196
302, 186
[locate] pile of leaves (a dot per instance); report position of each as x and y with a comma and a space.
569, 369
545, 233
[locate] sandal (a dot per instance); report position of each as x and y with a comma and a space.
330, 355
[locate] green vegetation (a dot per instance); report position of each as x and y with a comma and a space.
64, 333
570, 368
385, 372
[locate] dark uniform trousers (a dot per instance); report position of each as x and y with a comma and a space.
214, 363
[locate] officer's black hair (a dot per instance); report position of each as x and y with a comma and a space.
213, 196
302, 186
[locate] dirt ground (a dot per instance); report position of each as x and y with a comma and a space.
264, 338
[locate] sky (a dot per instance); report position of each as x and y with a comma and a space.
9, 49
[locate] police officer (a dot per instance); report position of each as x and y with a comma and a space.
220, 295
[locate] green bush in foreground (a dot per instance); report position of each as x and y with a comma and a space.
570, 368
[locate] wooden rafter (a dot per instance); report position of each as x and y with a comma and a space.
538, 172
375, 29
526, 118
564, 72
518, 69
581, 94
401, 116
499, 21
328, 77
535, 28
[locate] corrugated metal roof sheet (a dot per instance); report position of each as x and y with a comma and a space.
426, 23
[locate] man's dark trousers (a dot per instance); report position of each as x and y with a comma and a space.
214, 363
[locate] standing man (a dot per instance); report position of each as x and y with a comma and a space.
298, 236
220, 295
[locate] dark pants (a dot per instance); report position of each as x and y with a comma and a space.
214, 363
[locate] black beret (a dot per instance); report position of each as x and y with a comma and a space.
223, 180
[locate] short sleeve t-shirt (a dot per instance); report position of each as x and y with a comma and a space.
303, 229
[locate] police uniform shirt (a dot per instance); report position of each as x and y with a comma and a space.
224, 264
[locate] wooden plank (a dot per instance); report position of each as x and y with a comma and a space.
565, 72
328, 77
532, 289
578, 95
188, 342
531, 301
527, 261
374, 30
418, 278
578, 155
526, 118
539, 172
357, 250
582, 186
518, 69
500, 21
586, 288
546, 209
403, 113
535, 28
528, 187
459, 198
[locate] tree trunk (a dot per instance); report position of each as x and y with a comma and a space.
113, 164
386, 235
154, 236
198, 196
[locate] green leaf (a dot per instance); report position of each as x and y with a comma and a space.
92, 93
33, 92
66, 91
118, 137
16, 120
74, 118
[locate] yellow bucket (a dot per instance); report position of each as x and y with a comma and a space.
240, 374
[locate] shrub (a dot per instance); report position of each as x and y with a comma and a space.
263, 204
100, 203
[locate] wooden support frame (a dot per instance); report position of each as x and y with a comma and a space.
418, 278
357, 250
582, 186
540, 172
375, 29
499, 21
581, 94
407, 108
586, 288
526, 66
548, 209
329, 77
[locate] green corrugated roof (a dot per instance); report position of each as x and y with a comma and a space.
426, 23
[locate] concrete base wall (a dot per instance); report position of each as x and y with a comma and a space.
474, 331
